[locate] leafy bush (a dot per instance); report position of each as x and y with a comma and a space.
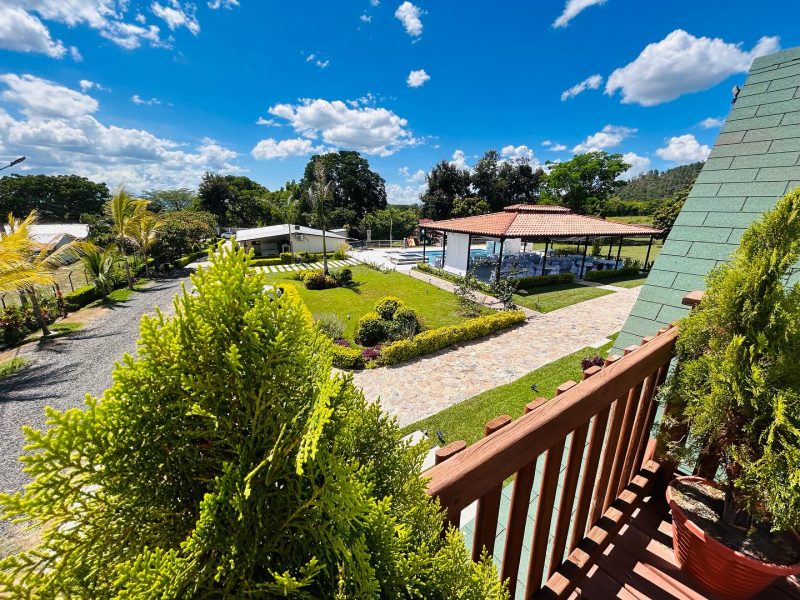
406, 323
81, 297
265, 262
17, 322
528, 283
436, 339
286, 258
611, 274
592, 361
189, 258
343, 277
274, 476
371, 329
317, 280
370, 355
386, 307
451, 277
331, 325
345, 357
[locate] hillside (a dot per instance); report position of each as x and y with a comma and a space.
654, 185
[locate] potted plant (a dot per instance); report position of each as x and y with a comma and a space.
735, 394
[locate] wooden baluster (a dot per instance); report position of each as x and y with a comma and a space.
589, 474
631, 405
574, 461
488, 504
518, 513
651, 413
453, 515
544, 508
612, 441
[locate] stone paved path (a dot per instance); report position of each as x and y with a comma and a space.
306, 266
418, 389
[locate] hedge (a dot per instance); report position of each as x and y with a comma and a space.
347, 358
526, 283
436, 339
189, 258
265, 262
611, 274
451, 277
80, 297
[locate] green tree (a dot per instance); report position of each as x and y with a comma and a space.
55, 198
470, 206
227, 460
505, 182
182, 232
392, 221
236, 201
170, 200
584, 182
665, 215
655, 185
446, 182
354, 187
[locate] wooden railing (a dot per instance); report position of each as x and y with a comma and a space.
605, 420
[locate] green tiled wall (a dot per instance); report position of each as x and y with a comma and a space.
756, 159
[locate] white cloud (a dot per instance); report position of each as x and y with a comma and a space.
366, 18
365, 129
229, 4
590, 83
572, 9
711, 123
417, 78
374, 2
59, 134
404, 194
682, 63
176, 15
38, 97
317, 60
417, 177
409, 16
75, 54
521, 152
137, 99
267, 122
87, 85
23, 32
460, 160
271, 148
683, 149
608, 137
638, 165
554, 146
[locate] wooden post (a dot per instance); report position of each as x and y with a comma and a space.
619, 251
583, 260
647, 258
544, 258
489, 504
451, 449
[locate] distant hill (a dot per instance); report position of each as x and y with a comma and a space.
654, 185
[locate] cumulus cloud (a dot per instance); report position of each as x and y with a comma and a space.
682, 63
365, 18
638, 165
683, 149
711, 123
271, 148
518, 153
416, 177
409, 15
459, 159
417, 78
23, 32
409, 192
63, 136
229, 4
267, 122
590, 83
554, 146
572, 9
176, 15
137, 99
366, 129
608, 137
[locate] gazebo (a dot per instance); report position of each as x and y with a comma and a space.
528, 223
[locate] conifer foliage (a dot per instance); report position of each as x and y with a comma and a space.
227, 461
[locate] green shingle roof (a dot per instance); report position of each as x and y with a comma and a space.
755, 161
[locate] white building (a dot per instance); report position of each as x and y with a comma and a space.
274, 239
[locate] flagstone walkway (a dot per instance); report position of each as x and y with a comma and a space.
308, 266
423, 387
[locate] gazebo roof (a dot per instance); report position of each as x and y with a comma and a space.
540, 221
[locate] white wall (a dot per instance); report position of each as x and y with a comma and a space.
456, 253
313, 243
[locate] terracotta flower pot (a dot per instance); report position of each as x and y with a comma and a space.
726, 573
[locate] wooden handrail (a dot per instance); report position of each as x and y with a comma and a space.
477, 469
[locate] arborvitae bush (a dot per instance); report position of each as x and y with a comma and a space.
227, 461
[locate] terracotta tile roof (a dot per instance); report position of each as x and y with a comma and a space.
536, 208
523, 222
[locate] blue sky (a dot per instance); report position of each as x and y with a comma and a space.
151, 94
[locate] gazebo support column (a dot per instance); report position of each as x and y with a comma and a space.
444, 247
647, 258
610, 248
424, 245
544, 258
499, 261
469, 247
583, 260
619, 252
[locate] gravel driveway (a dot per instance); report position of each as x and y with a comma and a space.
61, 372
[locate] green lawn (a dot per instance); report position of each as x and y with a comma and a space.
631, 281
435, 307
465, 420
549, 298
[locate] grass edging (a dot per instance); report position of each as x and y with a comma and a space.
7, 367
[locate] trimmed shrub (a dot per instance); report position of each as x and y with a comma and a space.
347, 358
386, 307
611, 274
436, 339
527, 283
265, 262
343, 277
81, 297
286, 257
189, 258
405, 323
371, 329
317, 280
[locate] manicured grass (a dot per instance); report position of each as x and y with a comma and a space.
435, 307
7, 367
625, 282
549, 298
465, 421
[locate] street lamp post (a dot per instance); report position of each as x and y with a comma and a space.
13, 162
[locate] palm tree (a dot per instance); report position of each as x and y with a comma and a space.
319, 192
28, 264
121, 208
143, 230
100, 264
